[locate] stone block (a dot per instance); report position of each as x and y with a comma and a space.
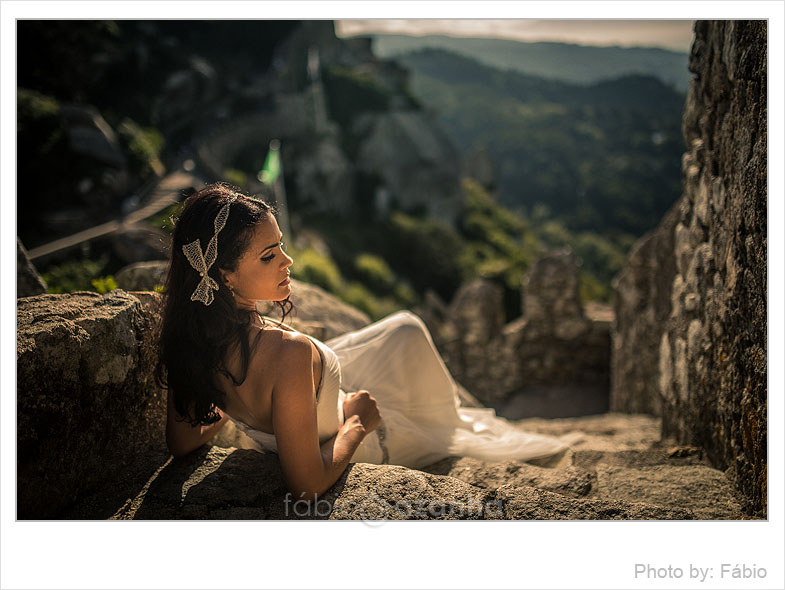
87, 404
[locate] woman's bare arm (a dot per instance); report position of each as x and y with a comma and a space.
181, 437
337, 451
308, 468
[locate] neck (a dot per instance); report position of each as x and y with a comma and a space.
245, 304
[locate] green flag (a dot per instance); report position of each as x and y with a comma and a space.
272, 167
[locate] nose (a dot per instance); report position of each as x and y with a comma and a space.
288, 260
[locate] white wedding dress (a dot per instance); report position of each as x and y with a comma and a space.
396, 360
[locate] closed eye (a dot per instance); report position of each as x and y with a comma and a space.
271, 256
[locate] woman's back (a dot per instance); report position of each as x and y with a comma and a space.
269, 364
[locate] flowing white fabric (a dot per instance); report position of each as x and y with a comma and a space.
396, 360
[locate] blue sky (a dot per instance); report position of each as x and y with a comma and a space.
670, 34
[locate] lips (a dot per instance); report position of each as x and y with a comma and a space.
284, 282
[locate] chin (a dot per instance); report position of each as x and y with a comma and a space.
285, 290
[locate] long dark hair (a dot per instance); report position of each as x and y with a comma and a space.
194, 338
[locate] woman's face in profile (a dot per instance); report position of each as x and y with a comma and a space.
262, 271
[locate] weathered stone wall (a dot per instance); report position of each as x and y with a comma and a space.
642, 305
711, 366
554, 342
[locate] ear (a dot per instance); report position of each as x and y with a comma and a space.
226, 277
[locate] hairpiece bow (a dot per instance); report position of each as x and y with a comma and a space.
201, 262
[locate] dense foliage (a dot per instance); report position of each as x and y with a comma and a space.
350, 93
381, 265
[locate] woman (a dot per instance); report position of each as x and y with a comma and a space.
221, 360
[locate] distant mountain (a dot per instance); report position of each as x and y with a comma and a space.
603, 157
578, 64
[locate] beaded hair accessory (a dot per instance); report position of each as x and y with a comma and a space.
201, 262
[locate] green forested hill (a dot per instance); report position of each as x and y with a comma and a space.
567, 62
604, 157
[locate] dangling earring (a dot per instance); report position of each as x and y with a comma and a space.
228, 286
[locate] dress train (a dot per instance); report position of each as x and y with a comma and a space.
396, 360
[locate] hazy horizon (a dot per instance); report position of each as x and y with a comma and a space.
675, 35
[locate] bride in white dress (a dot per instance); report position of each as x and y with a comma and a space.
380, 394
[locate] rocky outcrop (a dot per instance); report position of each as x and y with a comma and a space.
87, 406
554, 343
342, 151
95, 145
414, 161
28, 281
710, 369
620, 471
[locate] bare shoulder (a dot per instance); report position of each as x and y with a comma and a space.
295, 350
285, 354
294, 375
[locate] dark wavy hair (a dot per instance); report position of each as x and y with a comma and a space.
194, 338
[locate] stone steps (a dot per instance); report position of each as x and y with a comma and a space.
621, 459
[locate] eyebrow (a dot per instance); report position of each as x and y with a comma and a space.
263, 250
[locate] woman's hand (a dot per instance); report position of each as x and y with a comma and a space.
361, 404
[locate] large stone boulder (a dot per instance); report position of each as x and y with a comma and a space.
678, 476
28, 281
710, 368
551, 297
89, 411
87, 405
